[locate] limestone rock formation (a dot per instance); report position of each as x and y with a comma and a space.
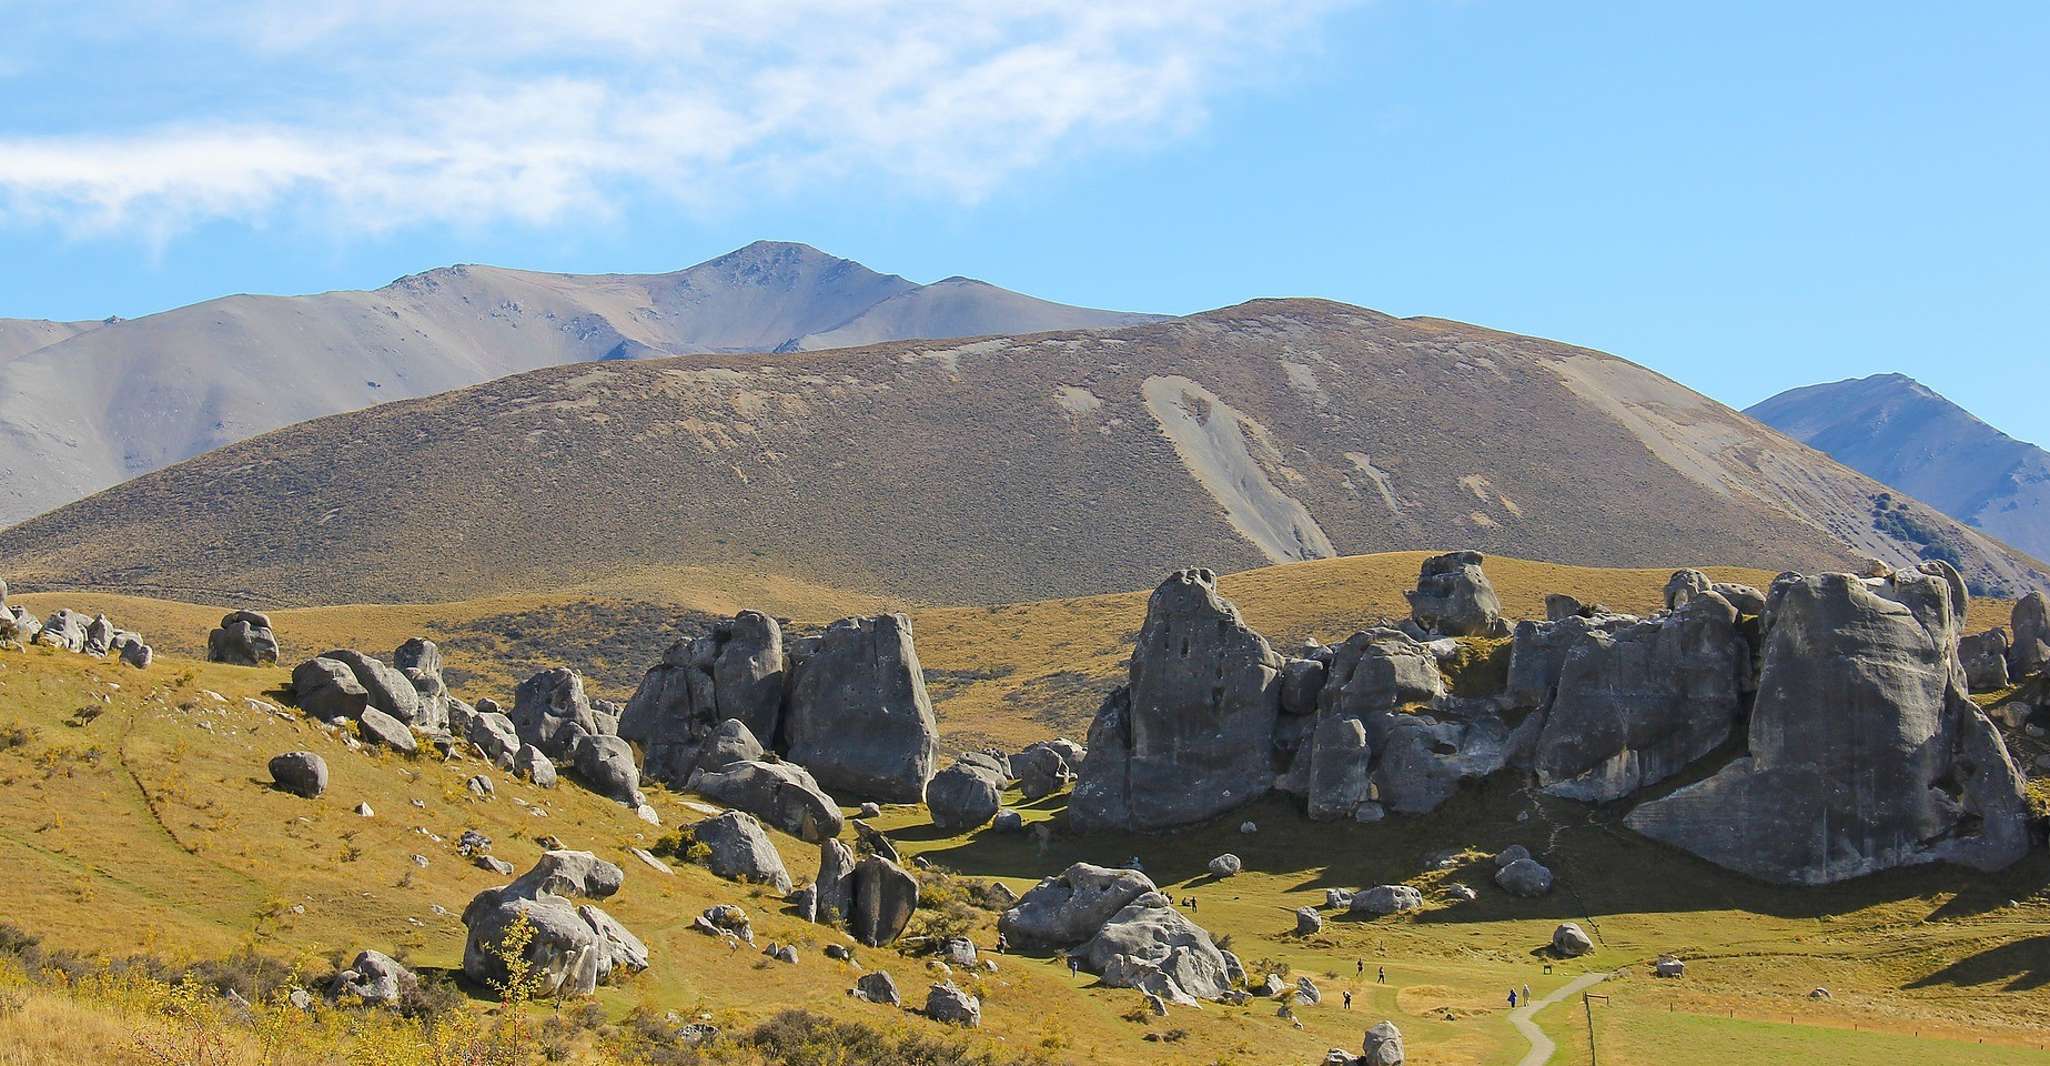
1985, 660
1865, 751
741, 851
1453, 598
858, 716
1637, 704
1382, 1046
947, 1003
885, 895
1149, 936
64, 629
243, 639
1190, 735
1570, 941
734, 672
1068, 908
834, 900
328, 690
301, 773
605, 764
550, 711
1387, 899
378, 727
1043, 769
2031, 625
419, 661
376, 978
1537, 656
572, 949
1525, 877
387, 689
965, 795
781, 794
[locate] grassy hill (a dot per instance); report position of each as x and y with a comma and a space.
997, 470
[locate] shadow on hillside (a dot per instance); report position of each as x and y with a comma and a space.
2024, 965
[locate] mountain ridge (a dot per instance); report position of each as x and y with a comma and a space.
1904, 434
89, 408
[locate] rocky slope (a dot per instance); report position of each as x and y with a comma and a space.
1899, 431
81, 412
998, 469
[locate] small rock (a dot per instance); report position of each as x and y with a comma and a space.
363, 810
1226, 865
870, 810
1306, 991
497, 866
1308, 921
945, 1002
302, 773
480, 787
1383, 1046
877, 987
1570, 941
1248, 828
1669, 966
1337, 898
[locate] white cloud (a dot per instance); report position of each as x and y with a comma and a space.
533, 111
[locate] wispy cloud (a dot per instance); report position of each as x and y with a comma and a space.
386, 115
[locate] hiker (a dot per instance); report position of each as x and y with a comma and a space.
1512, 999
1359, 966
1526, 993
1074, 965
1003, 945
1383, 978
1348, 1001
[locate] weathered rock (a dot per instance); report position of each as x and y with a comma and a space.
376, 978
877, 987
1524, 877
1150, 931
875, 842
2031, 624
243, 639
1453, 598
1306, 991
495, 738
1308, 921
1537, 656
781, 794
964, 795
378, 727
572, 950
1069, 908
734, 672
1388, 899
885, 897
1226, 865
18, 626
137, 654
1862, 725
741, 851
550, 711
730, 743
1383, 1046
418, 660
1423, 760
99, 637
1302, 680
871, 809
327, 689
531, 764
1008, 821
1638, 704
958, 952
1684, 585
1746, 599
1668, 966
1041, 771
947, 1003
1985, 660
1190, 736
1510, 854
64, 629
1338, 898
606, 764
481, 787
858, 716
1570, 941
389, 691
301, 773
835, 882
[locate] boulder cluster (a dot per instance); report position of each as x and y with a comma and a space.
1117, 924
1834, 700
68, 630
570, 948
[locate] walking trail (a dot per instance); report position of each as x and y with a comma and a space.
1541, 1046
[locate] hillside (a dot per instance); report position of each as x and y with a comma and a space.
80, 413
136, 801
996, 470
1899, 431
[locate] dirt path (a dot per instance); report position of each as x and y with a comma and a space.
1541, 1046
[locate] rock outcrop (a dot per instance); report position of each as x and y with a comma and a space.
858, 716
2031, 624
884, 897
243, 639
734, 672
1191, 735
1453, 598
1984, 656
1070, 907
385, 688
605, 764
780, 793
740, 851
1865, 752
1149, 944
571, 949
550, 711
965, 795
328, 690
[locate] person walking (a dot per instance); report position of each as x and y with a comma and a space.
1359, 967
1382, 977
1512, 999
1074, 965
1526, 994
1348, 1001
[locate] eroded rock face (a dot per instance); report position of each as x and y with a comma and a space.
388, 690
1192, 736
1985, 659
2031, 624
1454, 598
606, 765
243, 639
885, 897
65, 629
1149, 936
780, 793
1042, 770
1382, 1046
1637, 704
735, 672
418, 660
327, 689
741, 851
858, 716
1538, 654
550, 711
1865, 751
965, 795
1068, 908
573, 949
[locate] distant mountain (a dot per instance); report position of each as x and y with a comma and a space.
87, 405
1899, 431
999, 469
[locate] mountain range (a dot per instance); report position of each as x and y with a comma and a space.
1002, 468
87, 405
1899, 431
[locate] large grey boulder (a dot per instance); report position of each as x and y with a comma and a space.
378, 727
781, 794
947, 1003
1370, 676
1537, 655
571, 949
734, 672
876, 986
1525, 877
1570, 941
1453, 598
550, 711
964, 795
1865, 750
834, 901
418, 660
2031, 624
730, 743
1301, 682
1382, 1046
243, 639
135, 653
1387, 899
18, 625
1191, 735
531, 764
885, 896
99, 637
1422, 760
302, 773
1984, 656
327, 689
1070, 907
376, 978
858, 717
389, 691
1042, 770
495, 738
741, 851
64, 629
605, 764
1637, 705
1150, 931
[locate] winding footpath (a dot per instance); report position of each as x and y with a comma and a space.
1541, 1046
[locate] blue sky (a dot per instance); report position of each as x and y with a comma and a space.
1744, 196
